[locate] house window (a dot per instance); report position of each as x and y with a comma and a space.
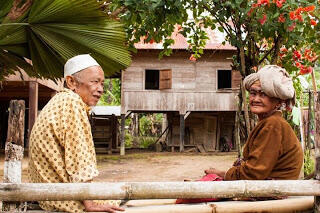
158, 79
224, 79
152, 79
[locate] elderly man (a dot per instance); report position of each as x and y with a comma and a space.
61, 145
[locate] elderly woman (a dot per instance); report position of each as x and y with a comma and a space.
272, 150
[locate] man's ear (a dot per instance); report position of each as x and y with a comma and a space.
71, 82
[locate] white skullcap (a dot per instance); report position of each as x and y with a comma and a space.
78, 63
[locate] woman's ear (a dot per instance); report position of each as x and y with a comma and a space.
71, 82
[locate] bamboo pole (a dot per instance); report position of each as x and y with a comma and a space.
156, 190
292, 204
14, 149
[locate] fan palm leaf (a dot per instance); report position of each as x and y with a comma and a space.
52, 31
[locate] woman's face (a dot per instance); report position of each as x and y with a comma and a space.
260, 103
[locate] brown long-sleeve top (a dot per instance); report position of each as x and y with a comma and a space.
272, 151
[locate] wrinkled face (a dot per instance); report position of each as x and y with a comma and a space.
260, 103
89, 84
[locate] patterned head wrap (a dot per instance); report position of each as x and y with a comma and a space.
275, 82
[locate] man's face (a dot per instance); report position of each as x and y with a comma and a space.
260, 103
89, 84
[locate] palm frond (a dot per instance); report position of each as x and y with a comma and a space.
70, 11
5, 6
9, 63
52, 31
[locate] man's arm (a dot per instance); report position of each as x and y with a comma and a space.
91, 206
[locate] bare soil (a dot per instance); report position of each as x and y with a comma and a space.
152, 166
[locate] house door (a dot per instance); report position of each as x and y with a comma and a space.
211, 136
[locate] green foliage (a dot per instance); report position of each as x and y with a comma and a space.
146, 142
144, 125
49, 32
150, 124
112, 93
260, 28
308, 163
128, 140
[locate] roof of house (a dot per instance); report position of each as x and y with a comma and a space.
106, 110
213, 43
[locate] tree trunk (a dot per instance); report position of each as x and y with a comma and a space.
317, 147
14, 149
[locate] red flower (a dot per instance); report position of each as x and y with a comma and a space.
250, 11
192, 58
299, 17
255, 5
279, 3
283, 49
298, 64
263, 20
291, 28
309, 55
313, 22
296, 55
309, 8
260, 2
281, 18
292, 15
305, 70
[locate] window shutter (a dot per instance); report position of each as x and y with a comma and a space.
165, 79
236, 79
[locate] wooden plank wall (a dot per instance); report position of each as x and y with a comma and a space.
202, 128
194, 84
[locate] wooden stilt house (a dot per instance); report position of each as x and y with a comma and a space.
35, 92
198, 97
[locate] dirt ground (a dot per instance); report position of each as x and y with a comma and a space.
151, 166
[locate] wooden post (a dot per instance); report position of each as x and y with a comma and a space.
219, 121
122, 136
114, 132
181, 132
33, 106
317, 147
14, 149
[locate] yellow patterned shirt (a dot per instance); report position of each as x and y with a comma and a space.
61, 147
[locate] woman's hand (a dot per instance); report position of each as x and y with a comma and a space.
215, 171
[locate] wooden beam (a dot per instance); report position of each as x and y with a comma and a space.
122, 136
182, 129
157, 190
14, 149
33, 106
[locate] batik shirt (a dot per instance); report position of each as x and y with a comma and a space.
61, 147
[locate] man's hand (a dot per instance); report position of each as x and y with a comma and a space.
94, 207
215, 171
